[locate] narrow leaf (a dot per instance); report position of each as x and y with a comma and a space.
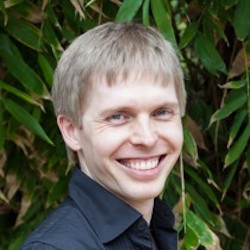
52, 16
51, 37
21, 115
188, 34
202, 206
20, 94
239, 119
145, 13
209, 56
191, 239
19, 69
190, 145
242, 19
8, 47
229, 179
128, 10
163, 21
200, 229
24, 32
46, 69
205, 187
237, 149
78, 7
219, 28
238, 99
233, 85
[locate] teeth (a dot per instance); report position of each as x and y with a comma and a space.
141, 164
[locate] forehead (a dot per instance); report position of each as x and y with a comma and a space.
136, 90
129, 76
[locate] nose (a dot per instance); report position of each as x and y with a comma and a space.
143, 133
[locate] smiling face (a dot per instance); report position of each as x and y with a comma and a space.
131, 137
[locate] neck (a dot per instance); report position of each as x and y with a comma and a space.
145, 208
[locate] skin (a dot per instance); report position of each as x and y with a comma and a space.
133, 124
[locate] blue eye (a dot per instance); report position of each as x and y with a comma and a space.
163, 114
117, 117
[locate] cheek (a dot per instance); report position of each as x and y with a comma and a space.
173, 133
109, 141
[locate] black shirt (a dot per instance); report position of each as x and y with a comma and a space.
93, 218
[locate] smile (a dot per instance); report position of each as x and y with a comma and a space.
142, 164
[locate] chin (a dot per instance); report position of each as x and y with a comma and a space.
147, 192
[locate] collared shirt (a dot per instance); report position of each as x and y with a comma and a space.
93, 218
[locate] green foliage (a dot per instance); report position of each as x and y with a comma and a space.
210, 195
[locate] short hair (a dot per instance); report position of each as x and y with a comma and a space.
107, 51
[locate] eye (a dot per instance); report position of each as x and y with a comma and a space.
163, 114
118, 118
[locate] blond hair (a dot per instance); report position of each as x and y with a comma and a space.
107, 51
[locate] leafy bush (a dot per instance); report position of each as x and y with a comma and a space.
209, 188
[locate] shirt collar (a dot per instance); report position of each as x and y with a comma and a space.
162, 216
107, 214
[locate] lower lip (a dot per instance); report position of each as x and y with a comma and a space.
147, 174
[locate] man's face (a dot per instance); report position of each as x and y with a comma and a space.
131, 137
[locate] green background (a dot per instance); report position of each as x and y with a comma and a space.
209, 188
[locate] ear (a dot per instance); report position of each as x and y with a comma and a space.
69, 132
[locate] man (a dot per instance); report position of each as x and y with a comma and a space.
119, 96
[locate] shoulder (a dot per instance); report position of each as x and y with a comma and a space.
66, 228
38, 246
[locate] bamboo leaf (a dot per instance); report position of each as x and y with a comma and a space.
205, 187
237, 100
238, 147
20, 94
229, 179
200, 229
21, 115
240, 117
51, 37
145, 13
191, 240
190, 144
18, 68
188, 34
209, 56
202, 206
24, 32
52, 16
233, 85
46, 69
242, 19
8, 47
163, 21
79, 8
128, 10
